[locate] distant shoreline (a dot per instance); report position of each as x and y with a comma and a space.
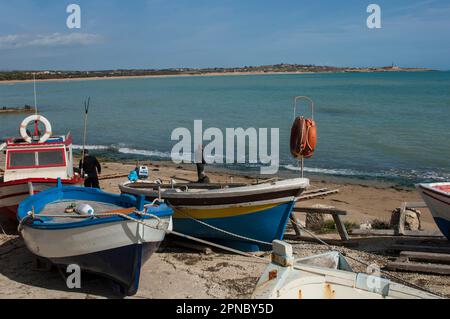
208, 74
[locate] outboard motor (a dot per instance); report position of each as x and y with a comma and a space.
142, 172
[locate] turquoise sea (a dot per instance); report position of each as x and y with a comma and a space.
393, 126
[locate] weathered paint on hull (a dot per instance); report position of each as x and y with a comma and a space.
122, 264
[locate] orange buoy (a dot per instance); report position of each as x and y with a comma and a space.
303, 137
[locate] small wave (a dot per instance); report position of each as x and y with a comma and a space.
91, 147
412, 175
133, 151
346, 172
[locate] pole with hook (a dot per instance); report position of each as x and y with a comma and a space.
86, 112
296, 99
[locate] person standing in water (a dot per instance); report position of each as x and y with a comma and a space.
91, 169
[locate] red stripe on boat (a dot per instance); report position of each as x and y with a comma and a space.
14, 195
41, 180
444, 188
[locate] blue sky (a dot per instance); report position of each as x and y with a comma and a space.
208, 33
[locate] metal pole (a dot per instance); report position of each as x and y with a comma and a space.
36, 125
30, 188
35, 98
86, 112
303, 166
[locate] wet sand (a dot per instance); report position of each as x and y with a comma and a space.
176, 272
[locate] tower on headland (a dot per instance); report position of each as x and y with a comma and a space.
394, 67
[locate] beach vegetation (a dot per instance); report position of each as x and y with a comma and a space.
329, 226
15, 75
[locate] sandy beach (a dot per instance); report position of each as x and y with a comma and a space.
209, 74
151, 76
352, 96
179, 272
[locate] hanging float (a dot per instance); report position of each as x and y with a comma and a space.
303, 133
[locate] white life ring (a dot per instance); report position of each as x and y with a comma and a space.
32, 118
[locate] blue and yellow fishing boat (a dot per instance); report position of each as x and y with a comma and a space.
245, 217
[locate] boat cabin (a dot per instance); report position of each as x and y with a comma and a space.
51, 159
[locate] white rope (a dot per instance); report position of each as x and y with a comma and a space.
167, 231
3, 231
223, 231
216, 245
31, 215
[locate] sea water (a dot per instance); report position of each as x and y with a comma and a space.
370, 125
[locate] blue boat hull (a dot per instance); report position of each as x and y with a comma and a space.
114, 245
444, 226
265, 225
122, 265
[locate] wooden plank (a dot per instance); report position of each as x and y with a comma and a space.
329, 241
391, 232
307, 196
317, 190
401, 221
421, 248
182, 179
320, 210
373, 232
419, 267
414, 205
112, 176
340, 227
425, 256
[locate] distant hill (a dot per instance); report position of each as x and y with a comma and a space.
276, 68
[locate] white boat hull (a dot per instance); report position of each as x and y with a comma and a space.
439, 204
60, 243
324, 276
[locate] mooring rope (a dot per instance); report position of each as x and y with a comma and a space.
222, 230
167, 231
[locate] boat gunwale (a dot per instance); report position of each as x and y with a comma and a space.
163, 210
430, 187
263, 188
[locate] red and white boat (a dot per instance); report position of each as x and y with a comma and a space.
437, 198
33, 163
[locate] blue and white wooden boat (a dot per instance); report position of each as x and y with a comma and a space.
113, 241
240, 216
437, 198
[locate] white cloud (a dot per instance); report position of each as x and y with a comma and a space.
17, 41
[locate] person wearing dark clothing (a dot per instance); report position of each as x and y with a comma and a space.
202, 178
91, 168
